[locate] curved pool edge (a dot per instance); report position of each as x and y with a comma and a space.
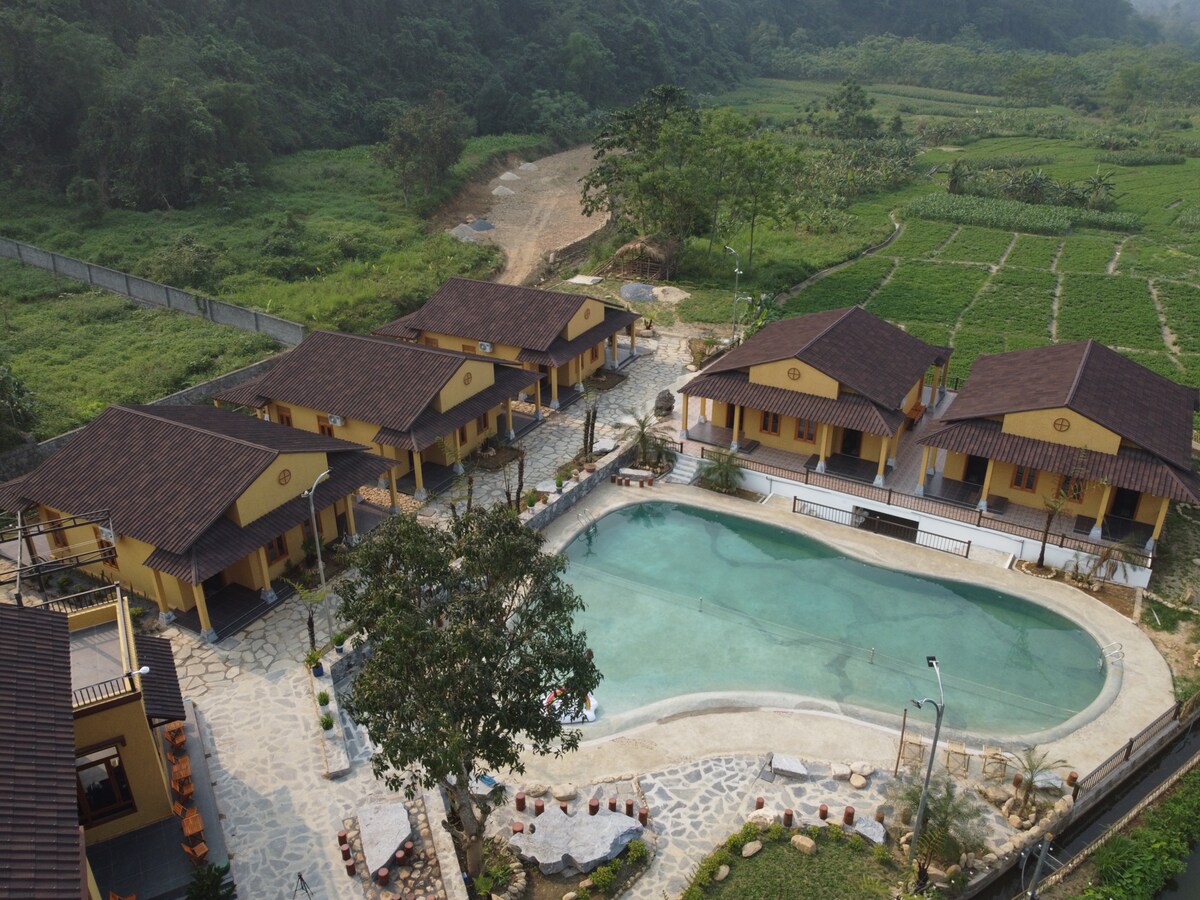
1134, 693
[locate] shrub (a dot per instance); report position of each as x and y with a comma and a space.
858, 842
637, 851
604, 877
323, 698
776, 832
881, 853
1013, 215
326, 721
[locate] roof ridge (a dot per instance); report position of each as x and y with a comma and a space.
820, 334
145, 412
1087, 353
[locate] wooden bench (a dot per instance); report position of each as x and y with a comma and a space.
641, 476
914, 413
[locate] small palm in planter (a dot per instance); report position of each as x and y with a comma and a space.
339, 642
313, 659
323, 698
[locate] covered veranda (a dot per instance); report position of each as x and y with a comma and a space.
567, 363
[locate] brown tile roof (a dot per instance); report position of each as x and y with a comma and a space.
432, 424
371, 379
1094, 381
41, 845
1128, 468
858, 350
847, 411
561, 351
160, 686
166, 473
486, 311
224, 542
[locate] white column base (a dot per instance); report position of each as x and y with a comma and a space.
820, 467
878, 482
733, 447
1097, 532
683, 435
920, 491
554, 404
209, 635
420, 494
458, 468
511, 434
704, 420
982, 504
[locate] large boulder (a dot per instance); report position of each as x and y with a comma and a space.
804, 844
788, 766
870, 829
579, 843
664, 403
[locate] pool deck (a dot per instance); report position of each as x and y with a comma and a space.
1138, 690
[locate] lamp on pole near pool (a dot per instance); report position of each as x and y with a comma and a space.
316, 536
940, 706
737, 271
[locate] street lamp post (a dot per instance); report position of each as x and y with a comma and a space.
316, 536
940, 706
737, 271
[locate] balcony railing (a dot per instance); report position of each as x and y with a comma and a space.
103, 690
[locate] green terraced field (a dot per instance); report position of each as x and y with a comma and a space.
1182, 305
1016, 301
920, 239
845, 287
974, 244
928, 292
1034, 252
1114, 310
1086, 254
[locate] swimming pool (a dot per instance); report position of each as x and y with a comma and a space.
684, 602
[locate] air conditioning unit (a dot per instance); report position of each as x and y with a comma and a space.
485, 347
337, 420
107, 534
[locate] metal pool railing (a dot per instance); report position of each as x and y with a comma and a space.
876, 524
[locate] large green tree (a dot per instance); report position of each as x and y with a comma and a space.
423, 143
470, 627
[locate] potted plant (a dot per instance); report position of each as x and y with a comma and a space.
313, 659
558, 483
531, 499
323, 698
339, 642
327, 721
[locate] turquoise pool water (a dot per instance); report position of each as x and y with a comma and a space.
684, 601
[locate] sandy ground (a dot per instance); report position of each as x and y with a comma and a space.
541, 215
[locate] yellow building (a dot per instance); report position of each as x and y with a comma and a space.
838, 388
423, 409
561, 335
208, 507
82, 759
1073, 423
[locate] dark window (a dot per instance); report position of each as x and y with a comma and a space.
806, 430
102, 544
770, 422
1071, 487
324, 427
462, 435
277, 549
430, 342
58, 537
595, 353
283, 415
1024, 478
102, 786
482, 423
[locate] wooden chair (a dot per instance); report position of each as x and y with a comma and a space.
184, 789
175, 755
995, 764
113, 895
176, 739
180, 810
912, 752
193, 829
197, 854
958, 760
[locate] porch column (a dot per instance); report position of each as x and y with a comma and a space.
737, 427
945, 379
418, 476
632, 340
554, 387
987, 486
458, 466
264, 566
1158, 524
392, 490
537, 400
703, 410
351, 527
160, 593
883, 458
512, 435
1097, 531
920, 492
206, 629
824, 431
684, 419
580, 368
612, 346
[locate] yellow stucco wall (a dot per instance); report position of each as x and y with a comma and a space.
811, 381
913, 396
444, 456
1083, 432
589, 315
955, 466
471, 377
140, 758
266, 493
785, 440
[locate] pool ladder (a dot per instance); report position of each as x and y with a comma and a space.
1110, 653
586, 519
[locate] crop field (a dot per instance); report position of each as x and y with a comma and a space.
844, 287
928, 292
1114, 310
970, 343
1181, 303
1033, 252
1018, 301
920, 239
974, 244
1086, 254
1149, 259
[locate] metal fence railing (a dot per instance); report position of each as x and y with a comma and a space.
103, 690
882, 526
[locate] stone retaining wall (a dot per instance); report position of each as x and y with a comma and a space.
558, 504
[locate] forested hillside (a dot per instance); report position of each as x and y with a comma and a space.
159, 103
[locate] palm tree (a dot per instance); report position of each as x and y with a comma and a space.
649, 435
723, 473
1034, 764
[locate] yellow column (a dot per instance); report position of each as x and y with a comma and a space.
458, 466
703, 410
924, 469
883, 458
737, 426
1105, 498
987, 485
418, 476
824, 431
392, 488
206, 629
351, 528
684, 420
537, 400
161, 594
1158, 523
264, 567
612, 346
632, 341
554, 387
508, 418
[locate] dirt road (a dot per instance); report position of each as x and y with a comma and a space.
540, 215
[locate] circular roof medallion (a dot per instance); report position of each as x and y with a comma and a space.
587, 312
285, 475
794, 373
466, 378
1062, 424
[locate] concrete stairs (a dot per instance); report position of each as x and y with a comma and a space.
687, 470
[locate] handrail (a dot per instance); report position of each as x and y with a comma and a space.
103, 690
898, 530
89, 599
